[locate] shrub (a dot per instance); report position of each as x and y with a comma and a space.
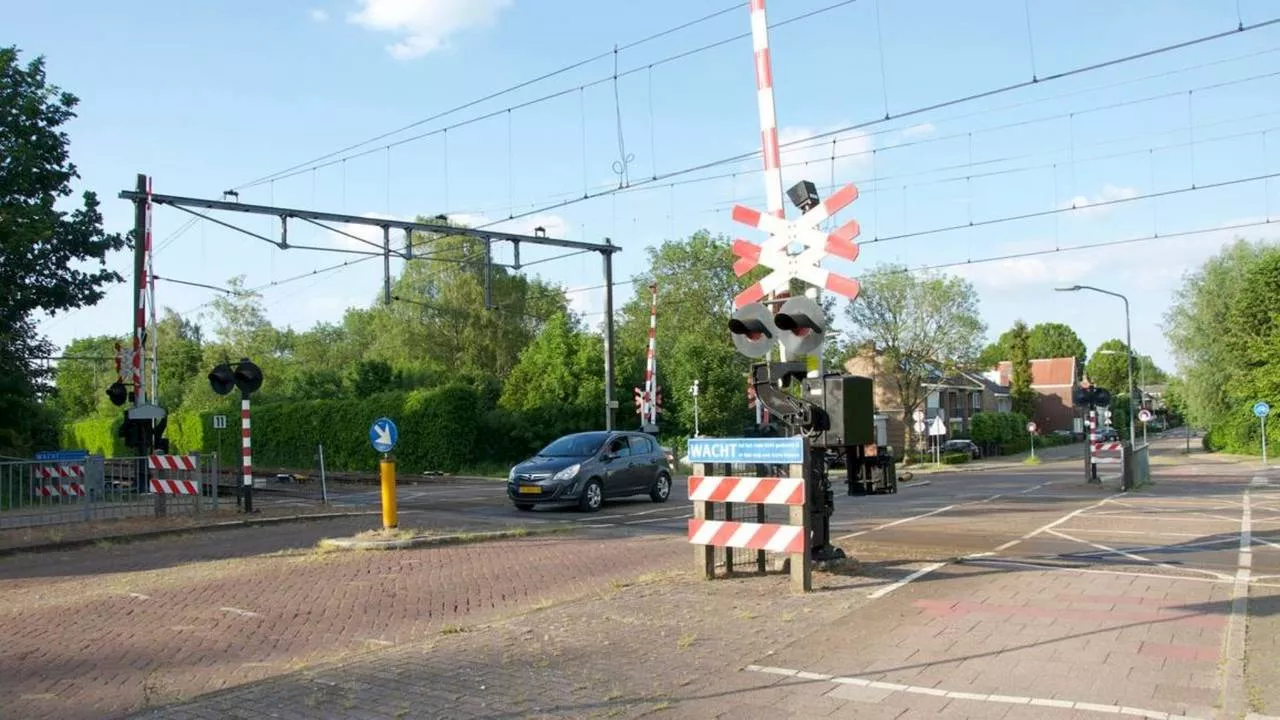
955, 458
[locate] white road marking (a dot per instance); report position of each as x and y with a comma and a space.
898, 522
1231, 672
238, 611
979, 560
659, 519
974, 697
1139, 532
1052, 525
139, 596
1139, 558
913, 576
1267, 542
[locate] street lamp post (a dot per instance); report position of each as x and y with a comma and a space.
1128, 341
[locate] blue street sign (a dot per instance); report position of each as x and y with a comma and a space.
772, 451
63, 455
383, 435
1261, 409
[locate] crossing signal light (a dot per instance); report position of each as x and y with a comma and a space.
753, 330
117, 393
802, 324
222, 379
248, 376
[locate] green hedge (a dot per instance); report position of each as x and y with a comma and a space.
955, 458
96, 434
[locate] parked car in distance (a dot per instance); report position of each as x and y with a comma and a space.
1106, 434
964, 446
585, 468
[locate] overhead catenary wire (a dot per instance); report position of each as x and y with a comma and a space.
332, 159
918, 111
809, 142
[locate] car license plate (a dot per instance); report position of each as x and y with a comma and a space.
530, 490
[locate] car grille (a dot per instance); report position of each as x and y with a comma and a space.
532, 477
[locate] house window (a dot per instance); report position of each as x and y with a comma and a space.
1004, 404
977, 400
932, 401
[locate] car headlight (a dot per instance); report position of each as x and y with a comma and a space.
567, 473
511, 475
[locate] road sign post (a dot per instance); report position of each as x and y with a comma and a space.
1031, 430
1144, 416
937, 429
383, 435
1261, 410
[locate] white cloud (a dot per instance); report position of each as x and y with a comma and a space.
424, 25
921, 130
318, 14
368, 233
1110, 193
852, 150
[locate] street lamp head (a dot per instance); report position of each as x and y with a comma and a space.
1073, 288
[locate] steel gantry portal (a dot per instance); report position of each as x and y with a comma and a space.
143, 199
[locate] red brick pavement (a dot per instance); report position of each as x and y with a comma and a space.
99, 632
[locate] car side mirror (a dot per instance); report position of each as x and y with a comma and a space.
606, 456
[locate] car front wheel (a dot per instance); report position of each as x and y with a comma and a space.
592, 497
661, 488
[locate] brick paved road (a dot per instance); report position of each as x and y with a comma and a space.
677, 646
98, 632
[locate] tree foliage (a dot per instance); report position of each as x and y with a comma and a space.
1109, 367
51, 260
1044, 340
1021, 395
1225, 332
921, 324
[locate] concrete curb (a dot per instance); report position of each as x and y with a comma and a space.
152, 534
427, 540
915, 483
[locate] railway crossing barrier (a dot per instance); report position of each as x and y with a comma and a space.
1106, 453
716, 529
44, 492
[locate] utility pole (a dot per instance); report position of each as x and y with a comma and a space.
694, 391
609, 404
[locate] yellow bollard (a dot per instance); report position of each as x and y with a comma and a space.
388, 472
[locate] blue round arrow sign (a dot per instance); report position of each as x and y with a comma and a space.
1261, 409
383, 434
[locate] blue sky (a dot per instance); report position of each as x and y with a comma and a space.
206, 97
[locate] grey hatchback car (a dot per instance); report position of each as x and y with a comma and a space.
585, 468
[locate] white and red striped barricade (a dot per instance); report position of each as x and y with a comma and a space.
804, 265
59, 480
174, 474
60, 490
1106, 453
708, 533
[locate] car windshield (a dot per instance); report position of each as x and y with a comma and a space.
579, 445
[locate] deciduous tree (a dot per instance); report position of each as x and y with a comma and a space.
52, 260
921, 323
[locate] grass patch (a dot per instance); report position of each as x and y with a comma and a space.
1031, 460
685, 641
454, 629
391, 534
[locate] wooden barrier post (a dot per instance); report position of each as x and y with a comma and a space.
703, 555
801, 567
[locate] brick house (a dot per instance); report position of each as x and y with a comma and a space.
959, 396
1052, 379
